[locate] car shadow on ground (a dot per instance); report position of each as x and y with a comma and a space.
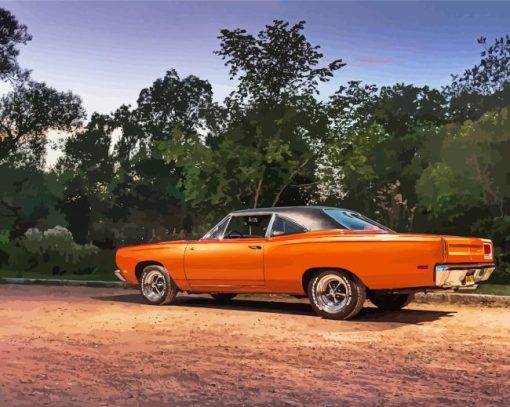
407, 316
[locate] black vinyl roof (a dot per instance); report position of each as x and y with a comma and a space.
311, 217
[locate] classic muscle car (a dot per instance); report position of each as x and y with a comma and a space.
336, 257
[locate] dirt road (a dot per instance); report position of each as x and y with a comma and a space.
89, 346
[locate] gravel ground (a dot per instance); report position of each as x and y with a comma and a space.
89, 346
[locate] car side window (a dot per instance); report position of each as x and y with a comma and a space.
283, 226
242, 227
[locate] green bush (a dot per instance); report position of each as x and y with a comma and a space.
52, 252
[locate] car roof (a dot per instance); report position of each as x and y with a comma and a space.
311, 217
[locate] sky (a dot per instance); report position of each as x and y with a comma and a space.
108, 51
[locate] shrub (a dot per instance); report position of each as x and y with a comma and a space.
52, 252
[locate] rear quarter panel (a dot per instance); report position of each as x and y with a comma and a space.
387, 261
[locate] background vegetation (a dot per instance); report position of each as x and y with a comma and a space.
414, 158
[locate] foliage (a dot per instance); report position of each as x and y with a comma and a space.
52, 252
26, 115
172, 102
376, 135
12, 34
260, 158
278, 61
485, 86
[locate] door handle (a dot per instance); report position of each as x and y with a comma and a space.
255, 247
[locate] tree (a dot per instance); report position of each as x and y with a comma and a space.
145, 189
266, 157
85, 172
28, 198
12, 34
277, 62
486, 86
376, 136
27, 113
172, 102
261, 148
471, 167
491, 75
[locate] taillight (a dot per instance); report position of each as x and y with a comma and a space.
487, 250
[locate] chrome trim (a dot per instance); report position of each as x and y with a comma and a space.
454, 275
331, 293
119, 275
228, 219
154, 285
270, 226
206, 236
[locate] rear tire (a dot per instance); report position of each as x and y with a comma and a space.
390, 302
156, 286
223, 297
336, 294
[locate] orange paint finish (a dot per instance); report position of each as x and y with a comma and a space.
278, 264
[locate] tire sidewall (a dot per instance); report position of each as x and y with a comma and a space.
352, 294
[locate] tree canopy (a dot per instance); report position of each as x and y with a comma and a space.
12, 34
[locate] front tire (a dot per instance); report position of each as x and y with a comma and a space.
390, 302
336, 294
156, 286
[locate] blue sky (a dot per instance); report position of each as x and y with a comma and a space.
108, 51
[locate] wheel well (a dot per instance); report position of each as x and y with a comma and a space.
308, 275
140, 266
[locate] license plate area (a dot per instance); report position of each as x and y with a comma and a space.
469, 280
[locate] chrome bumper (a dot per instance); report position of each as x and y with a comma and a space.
119, 275
462, 275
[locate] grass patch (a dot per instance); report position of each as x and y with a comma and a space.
493, 289
498, 284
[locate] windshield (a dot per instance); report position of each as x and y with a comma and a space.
355, 221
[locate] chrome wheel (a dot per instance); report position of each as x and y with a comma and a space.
336, 294
332, 293
154, 285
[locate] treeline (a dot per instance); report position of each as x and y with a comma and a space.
414, 158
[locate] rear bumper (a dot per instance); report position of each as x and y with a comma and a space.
462, 275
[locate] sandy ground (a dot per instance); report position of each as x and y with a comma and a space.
88, 346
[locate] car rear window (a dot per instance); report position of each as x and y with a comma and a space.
354, 221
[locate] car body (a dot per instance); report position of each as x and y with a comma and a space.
281, 250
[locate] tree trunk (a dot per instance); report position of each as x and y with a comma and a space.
292, 175
259, 188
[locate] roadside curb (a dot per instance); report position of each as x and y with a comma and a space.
76, 283
466, 299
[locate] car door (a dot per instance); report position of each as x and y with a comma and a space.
232, 258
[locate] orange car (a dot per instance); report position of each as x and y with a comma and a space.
336, 257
